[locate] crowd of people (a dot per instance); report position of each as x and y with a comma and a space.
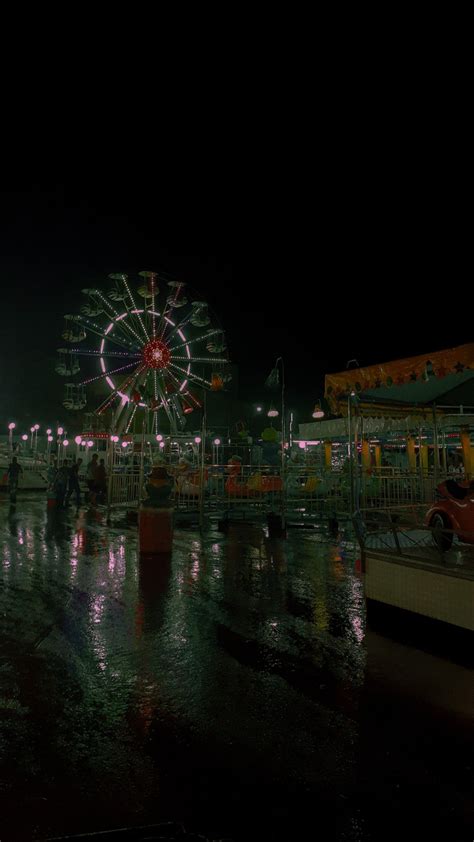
64, 481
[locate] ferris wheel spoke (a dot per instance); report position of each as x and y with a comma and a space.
106, 373
191, 359
167, 309
130, 381
171, 328
89, 352
196, 339
99, 331
118, 318
130, 420
135, 308
193, 378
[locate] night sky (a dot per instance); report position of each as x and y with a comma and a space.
318, 270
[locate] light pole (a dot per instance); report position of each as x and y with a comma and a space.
11, 427
273, 382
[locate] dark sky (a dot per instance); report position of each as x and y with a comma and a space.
318, 260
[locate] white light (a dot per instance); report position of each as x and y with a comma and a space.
24, 437
272, 413
318, 413
11, 425
78, 439
162, 444
259, 408
217, 442
60, 431
90, 444
197, 440
65, 443
48, 432
50, 438
159, 437
32, 429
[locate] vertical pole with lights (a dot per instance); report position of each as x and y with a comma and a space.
273, 382
11, 427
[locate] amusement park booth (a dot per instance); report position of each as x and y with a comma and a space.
412, 416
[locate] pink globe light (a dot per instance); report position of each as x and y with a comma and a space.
162, 444
60, 431
301, 445
159, 437
217, 442
65, 443
198, 440
48, 431
90, 444
50, 438
32, 429
37, 426
78, 440
24, 437
125, 444
11, 425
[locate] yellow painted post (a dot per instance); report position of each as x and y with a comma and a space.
411, 453
365, 454
378, 456
466, 451
328, 455
424, 458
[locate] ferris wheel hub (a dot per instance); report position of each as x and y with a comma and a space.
156, 354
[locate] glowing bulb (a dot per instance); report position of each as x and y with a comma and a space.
60, 431
65, 443
37, 426
78, 440
125, 444
24, 437
197, 440
159, 438
48, 432
162, 444
259, 408
272, 413
90, 444
217, 442
32, 429
11, 425
50, 438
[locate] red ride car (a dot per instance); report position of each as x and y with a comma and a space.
452, 513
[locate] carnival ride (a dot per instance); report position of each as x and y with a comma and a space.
158, 348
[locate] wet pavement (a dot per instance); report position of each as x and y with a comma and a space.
235, 687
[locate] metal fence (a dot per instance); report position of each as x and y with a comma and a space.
306, 491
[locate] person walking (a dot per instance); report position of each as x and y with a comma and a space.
14, 471
73, 483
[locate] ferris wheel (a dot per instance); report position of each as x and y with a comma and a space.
155, 348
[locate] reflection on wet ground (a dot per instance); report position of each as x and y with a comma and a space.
234, 686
